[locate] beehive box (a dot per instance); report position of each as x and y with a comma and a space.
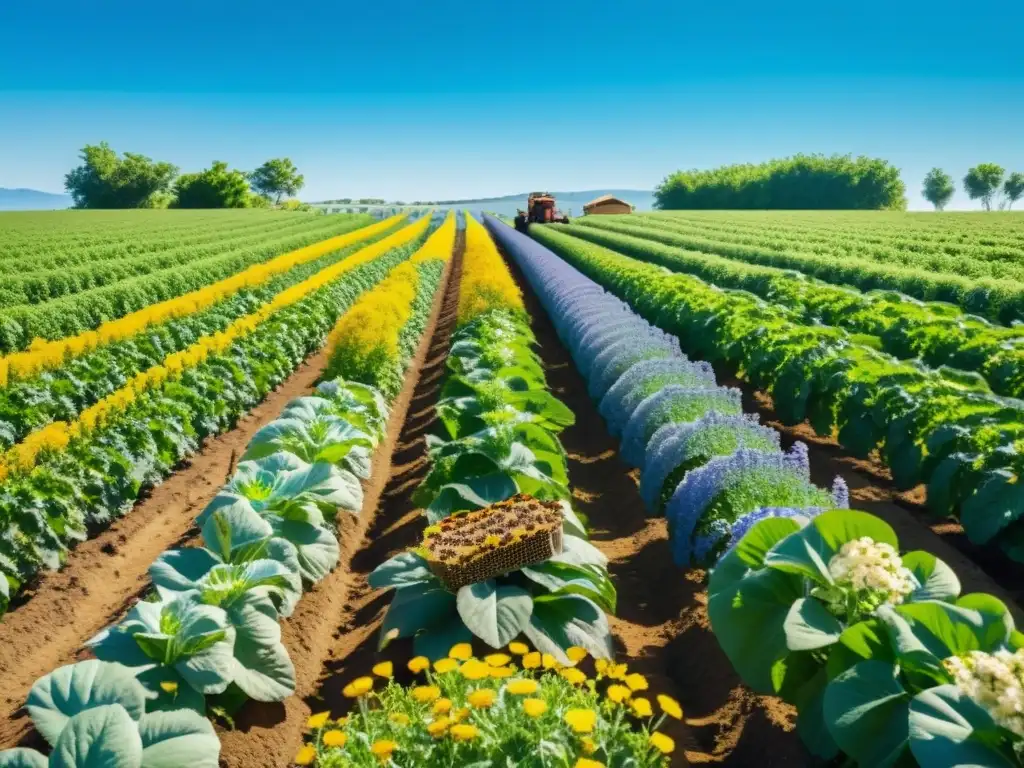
476, 546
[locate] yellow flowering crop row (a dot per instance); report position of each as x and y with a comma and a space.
56, 436
378, 317
486, 281
43, 355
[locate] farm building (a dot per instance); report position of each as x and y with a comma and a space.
607, 204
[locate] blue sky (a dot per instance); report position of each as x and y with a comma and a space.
444, 99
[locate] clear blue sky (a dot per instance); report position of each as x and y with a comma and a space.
440, 99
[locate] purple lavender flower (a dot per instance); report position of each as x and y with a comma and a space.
744, 523
840, 493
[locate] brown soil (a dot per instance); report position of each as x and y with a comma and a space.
661, 626
980, 569
107, 574
328, 622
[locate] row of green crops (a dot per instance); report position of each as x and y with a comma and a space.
500, 426
936, 333
74, 312
208, 637
928, 427
959, 249
999, 299
883, 658
93, 470
61, 394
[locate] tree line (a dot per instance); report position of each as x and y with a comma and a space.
799, 182
982, 182
107, 180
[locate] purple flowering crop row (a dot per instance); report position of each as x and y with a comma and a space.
711, 469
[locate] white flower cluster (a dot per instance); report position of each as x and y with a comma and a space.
995, 681
866, 564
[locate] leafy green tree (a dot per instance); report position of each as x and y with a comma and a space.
1013, 188
798, 182
216, 187
277, 178
104, 180
982, 182
938, 188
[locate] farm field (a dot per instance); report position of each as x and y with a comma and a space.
660, 489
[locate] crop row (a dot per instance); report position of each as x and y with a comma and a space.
48, 355
497, 573
69, 476
936, 333
86, 310
1000, 300
863, 238
210, 638
26, 288
28, 404
929, 427
878, 651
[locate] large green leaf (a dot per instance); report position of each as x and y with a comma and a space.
400, 571
316, 548
263, 669
562, 621
473, 493
435, 642
949, 730
69, 690
809, 626
937, 580
867, 710
103, 737
997, 503
495, 614
414, 608
176, 739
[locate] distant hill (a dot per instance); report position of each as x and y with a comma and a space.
32, 200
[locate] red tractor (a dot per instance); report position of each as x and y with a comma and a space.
540, 209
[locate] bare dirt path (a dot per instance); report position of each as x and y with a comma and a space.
325, 625
107, 574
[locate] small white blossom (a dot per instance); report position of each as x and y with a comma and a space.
865, 564
995, 681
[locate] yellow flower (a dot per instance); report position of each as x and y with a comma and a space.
442, 666
474, 670
439, 727
662, 743
481, 698
618, 693
534, 707
384, 669
442, 706
641, 707
601, 665
584, 762
617, 671
318, 720
383, 749
636, 682
573, 675
521, 687
589, 747
305, 756
399, 718
498, 659
334, 738
464, 732
518, 649
460, 714
576, 654
581, 720
550, 662
169, 686
670, 706
418, 664
425, 694
461, 651
358, 687
500, 673
531, 660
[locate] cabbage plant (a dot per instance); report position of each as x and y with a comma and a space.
323, 438
93, 713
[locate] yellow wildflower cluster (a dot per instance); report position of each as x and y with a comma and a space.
486, 281
374, 323
23, 456
477, 710
44, 355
